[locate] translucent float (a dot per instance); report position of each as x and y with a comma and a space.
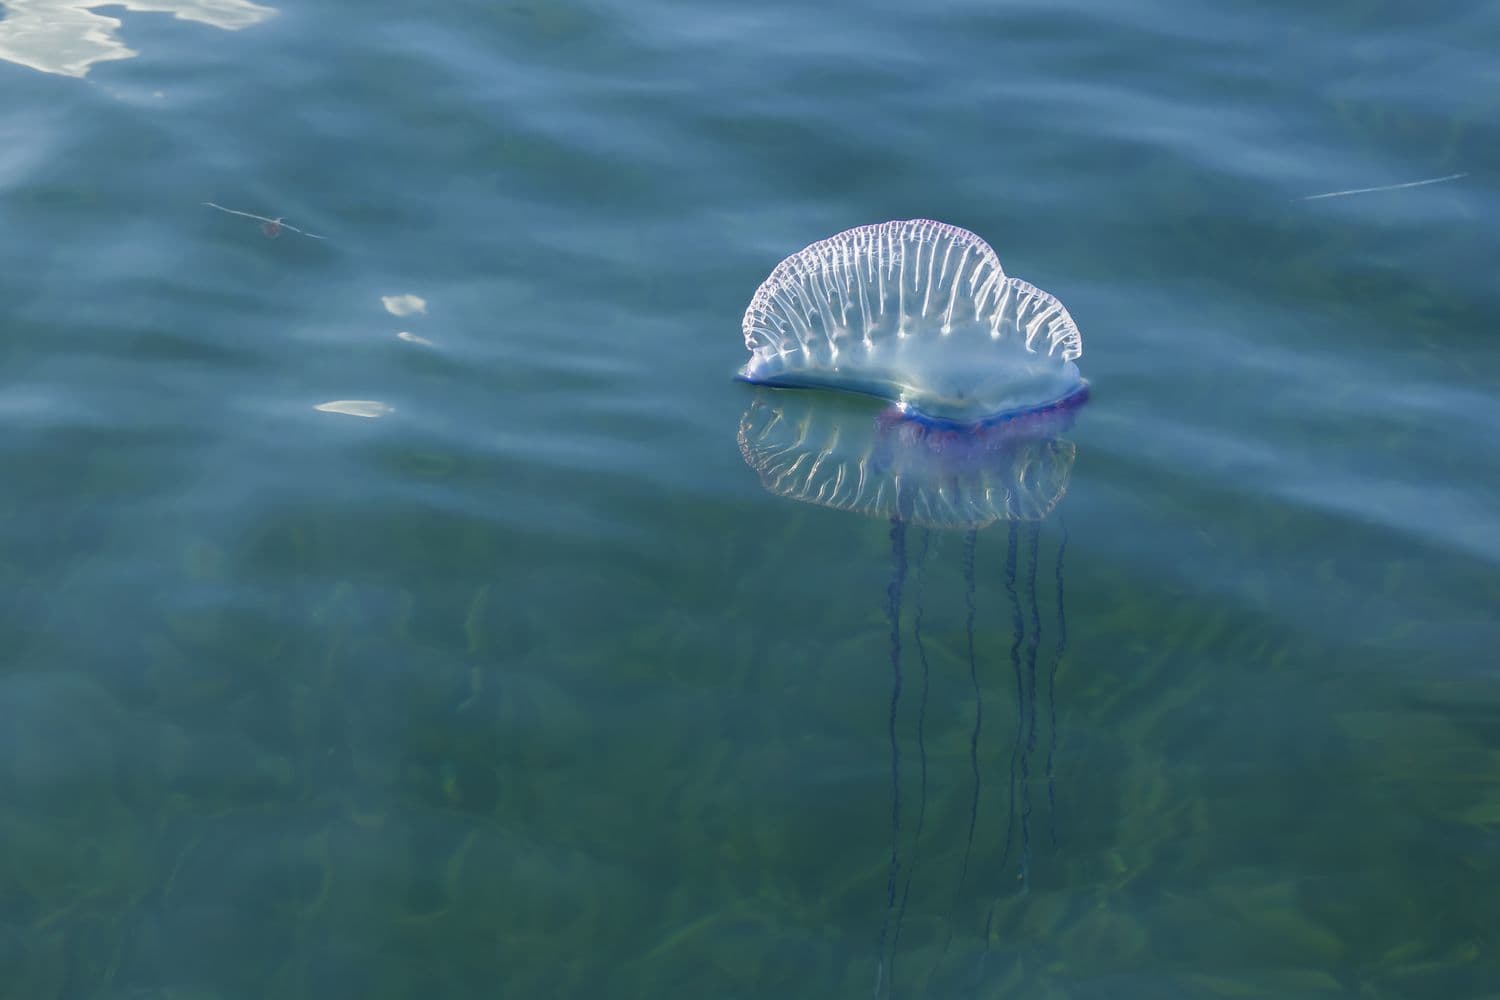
917, 312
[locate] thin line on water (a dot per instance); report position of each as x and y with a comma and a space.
1383, 187
278, 223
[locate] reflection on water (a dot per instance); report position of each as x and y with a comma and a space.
404, 305
368, 408
59, 36
813, 449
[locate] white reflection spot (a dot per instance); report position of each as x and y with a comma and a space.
370, 408
412, 338
67, 37
403, 305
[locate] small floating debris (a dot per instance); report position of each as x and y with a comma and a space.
412, 338
403, 305
368, 408
271, 227
1383, 187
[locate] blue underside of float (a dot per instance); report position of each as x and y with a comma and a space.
1076, 397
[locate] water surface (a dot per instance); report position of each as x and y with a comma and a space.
513, 680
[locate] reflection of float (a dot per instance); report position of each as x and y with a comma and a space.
818, 451
978, 369
68, 37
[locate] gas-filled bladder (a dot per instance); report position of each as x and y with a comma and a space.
917, 312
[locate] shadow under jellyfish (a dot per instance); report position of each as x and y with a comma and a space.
979, 371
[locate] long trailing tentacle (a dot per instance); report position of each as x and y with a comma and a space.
916, 845
1062, 645
1017, 635
893, 610
971, 541
1033, 643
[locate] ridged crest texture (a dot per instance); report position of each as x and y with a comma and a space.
917, 311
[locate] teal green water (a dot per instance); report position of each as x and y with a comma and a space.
527, 687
